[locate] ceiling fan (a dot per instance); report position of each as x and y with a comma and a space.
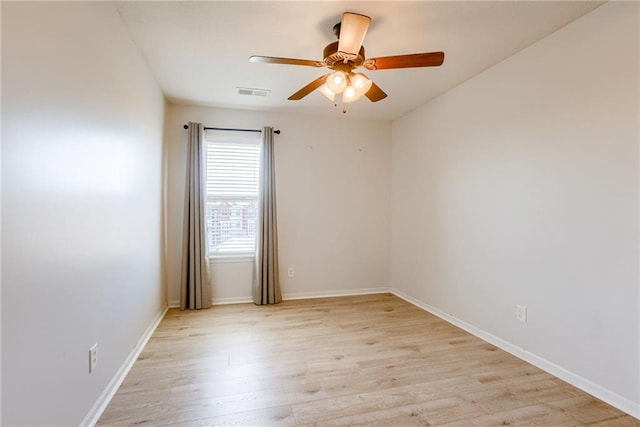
347, 54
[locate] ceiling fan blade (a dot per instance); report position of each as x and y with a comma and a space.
375, 94
353, 28
308, 88
288, 61
429, 59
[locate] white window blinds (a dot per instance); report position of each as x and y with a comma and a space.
232, 192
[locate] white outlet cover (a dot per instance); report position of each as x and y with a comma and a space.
521, 313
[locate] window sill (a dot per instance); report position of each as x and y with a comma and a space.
231, 258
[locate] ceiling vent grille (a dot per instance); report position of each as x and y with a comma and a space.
253, 92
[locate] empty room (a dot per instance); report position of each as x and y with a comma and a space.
320, 213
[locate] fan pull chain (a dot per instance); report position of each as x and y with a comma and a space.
344, 110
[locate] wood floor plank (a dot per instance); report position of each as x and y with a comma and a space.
371, 360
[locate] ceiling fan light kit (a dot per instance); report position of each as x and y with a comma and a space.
349, 95
361, 83
324, 89
347, 54
352, 86
337, 82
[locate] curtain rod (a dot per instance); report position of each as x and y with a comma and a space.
277, 131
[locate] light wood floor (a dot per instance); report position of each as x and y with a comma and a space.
365, 360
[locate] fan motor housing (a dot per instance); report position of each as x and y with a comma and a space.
332, 56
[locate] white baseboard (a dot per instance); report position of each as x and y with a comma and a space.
231, 300
101, 404
613, 399
305, 295
334, 293
218, 301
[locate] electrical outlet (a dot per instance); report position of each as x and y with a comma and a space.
291, 272
521, 313
93, 357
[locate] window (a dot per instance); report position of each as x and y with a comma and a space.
232, 193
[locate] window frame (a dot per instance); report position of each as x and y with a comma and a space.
231, 138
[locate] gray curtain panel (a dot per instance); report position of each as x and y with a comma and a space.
266, 275
195, 288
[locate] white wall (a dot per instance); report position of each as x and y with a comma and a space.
333, 191
521, 187
81, 201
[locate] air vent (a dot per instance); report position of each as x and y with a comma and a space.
253, 92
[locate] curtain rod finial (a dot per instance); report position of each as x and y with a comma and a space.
277, 132
186, 126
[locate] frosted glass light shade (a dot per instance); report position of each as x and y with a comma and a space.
361, 84
337, 82
350, 94
324, 89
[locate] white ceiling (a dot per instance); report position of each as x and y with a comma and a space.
199, 51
